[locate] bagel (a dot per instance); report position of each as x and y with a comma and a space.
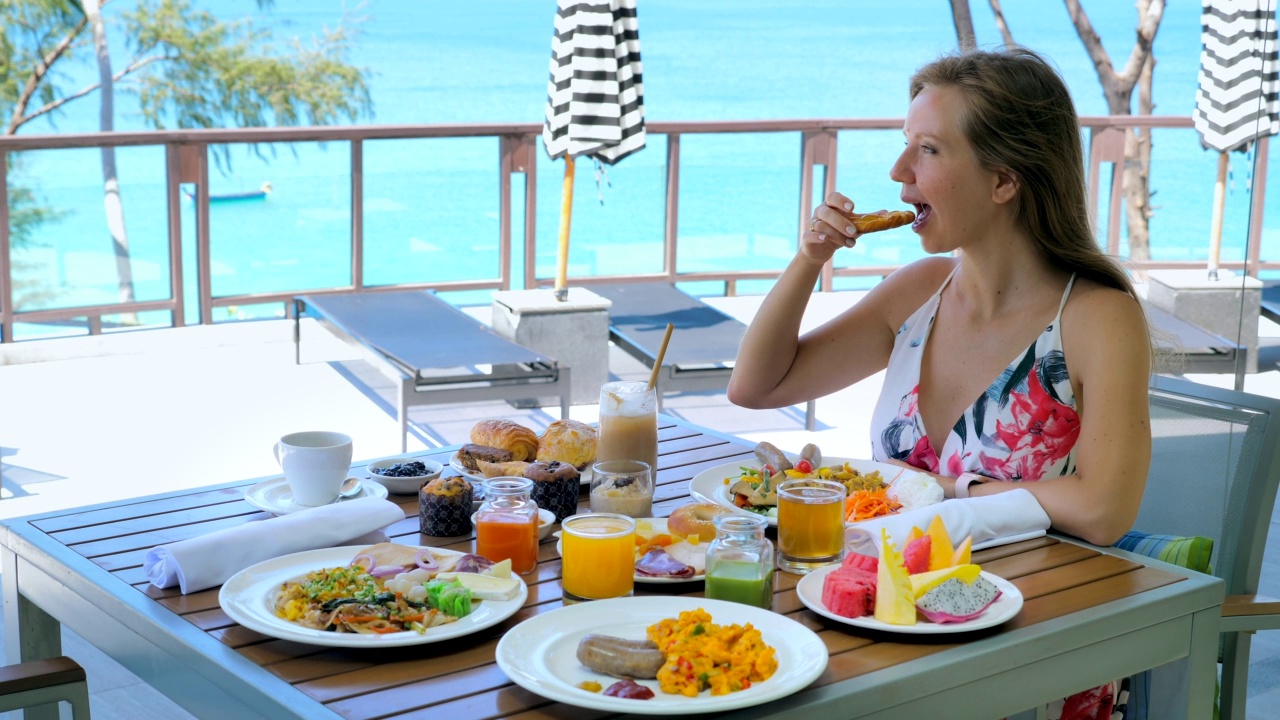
695, 519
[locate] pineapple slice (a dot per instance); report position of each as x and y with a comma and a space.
895, 597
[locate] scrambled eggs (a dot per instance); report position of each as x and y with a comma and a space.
701, 655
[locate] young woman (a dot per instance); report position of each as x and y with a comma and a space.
1020, 352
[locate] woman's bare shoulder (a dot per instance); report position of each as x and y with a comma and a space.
908, 287
1102, 320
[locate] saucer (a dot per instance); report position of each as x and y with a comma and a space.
275, 497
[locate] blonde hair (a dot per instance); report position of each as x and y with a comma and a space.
1019, 116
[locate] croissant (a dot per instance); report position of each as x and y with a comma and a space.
882, 220
519, 440
568, 441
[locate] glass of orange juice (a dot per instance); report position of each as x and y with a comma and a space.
597, 556
810, 524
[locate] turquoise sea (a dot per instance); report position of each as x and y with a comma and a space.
432, 205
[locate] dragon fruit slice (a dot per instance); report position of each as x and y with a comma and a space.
954, 600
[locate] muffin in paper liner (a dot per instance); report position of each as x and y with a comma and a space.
444, 507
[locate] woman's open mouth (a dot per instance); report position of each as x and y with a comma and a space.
923, 211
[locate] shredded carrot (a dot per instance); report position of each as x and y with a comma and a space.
867, 504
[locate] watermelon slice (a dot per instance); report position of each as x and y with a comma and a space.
849, 593
917, 554
862, 562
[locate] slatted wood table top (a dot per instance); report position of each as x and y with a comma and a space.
103, 548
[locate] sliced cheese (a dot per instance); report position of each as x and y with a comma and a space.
500, 569
486, 587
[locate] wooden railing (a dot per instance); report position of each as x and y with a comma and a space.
187, 161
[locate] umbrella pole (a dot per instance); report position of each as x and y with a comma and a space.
566, 218
1215, 231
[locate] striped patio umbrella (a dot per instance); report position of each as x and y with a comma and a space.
1238, 100
595, 96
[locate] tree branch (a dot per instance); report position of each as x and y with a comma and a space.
963, 21
1149, 14
1092, 43
41, 69
1000, 23
137, 64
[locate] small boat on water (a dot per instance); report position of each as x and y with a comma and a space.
259, 194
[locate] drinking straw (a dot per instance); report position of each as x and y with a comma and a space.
662, 352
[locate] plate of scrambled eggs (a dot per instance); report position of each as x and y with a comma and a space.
781, 657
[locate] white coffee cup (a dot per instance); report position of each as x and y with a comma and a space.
315, 464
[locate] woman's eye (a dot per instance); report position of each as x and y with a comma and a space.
927, 150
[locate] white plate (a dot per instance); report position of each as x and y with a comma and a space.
709, 485
540, 654
1005, 607
659, 526
274, 496
248, 598
585, 474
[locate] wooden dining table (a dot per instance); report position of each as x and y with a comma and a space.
1090, 615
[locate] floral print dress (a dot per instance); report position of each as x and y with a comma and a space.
1023, 428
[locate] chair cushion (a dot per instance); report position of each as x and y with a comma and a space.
1192, 553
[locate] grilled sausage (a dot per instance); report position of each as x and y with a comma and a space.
770, 455
619, 657
811, 453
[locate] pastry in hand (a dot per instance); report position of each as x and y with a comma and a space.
568, 441
519, 440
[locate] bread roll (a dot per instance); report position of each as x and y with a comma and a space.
568, 441
519, 440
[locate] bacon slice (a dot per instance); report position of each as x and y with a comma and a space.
657, 563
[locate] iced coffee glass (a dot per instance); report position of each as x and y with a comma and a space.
628, 423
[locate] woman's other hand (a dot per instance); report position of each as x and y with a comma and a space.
829, 229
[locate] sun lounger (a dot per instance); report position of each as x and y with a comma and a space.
1201, 351
703, 347
1271, 300
434, 352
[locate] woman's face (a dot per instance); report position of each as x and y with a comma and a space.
953, 195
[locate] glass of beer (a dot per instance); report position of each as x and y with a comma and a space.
597, 556
810, 524
628, 423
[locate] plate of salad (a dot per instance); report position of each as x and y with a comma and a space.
750, 486
347, 597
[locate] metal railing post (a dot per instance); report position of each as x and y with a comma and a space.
204, 258
6, 267
357, 219
173, 202
671, 225
817, 147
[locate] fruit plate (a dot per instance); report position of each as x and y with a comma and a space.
585, 474
540, 654
1005, 607
709, 485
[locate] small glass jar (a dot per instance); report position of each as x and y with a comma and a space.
507, 523
740, 561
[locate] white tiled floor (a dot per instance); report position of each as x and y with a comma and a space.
105, 418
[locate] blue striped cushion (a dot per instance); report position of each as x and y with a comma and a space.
1192, 553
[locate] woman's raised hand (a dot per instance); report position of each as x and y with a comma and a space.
829, 229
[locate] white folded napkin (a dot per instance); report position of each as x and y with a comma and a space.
209, 560
991, 520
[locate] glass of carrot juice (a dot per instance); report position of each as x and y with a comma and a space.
597, 556
810, 524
